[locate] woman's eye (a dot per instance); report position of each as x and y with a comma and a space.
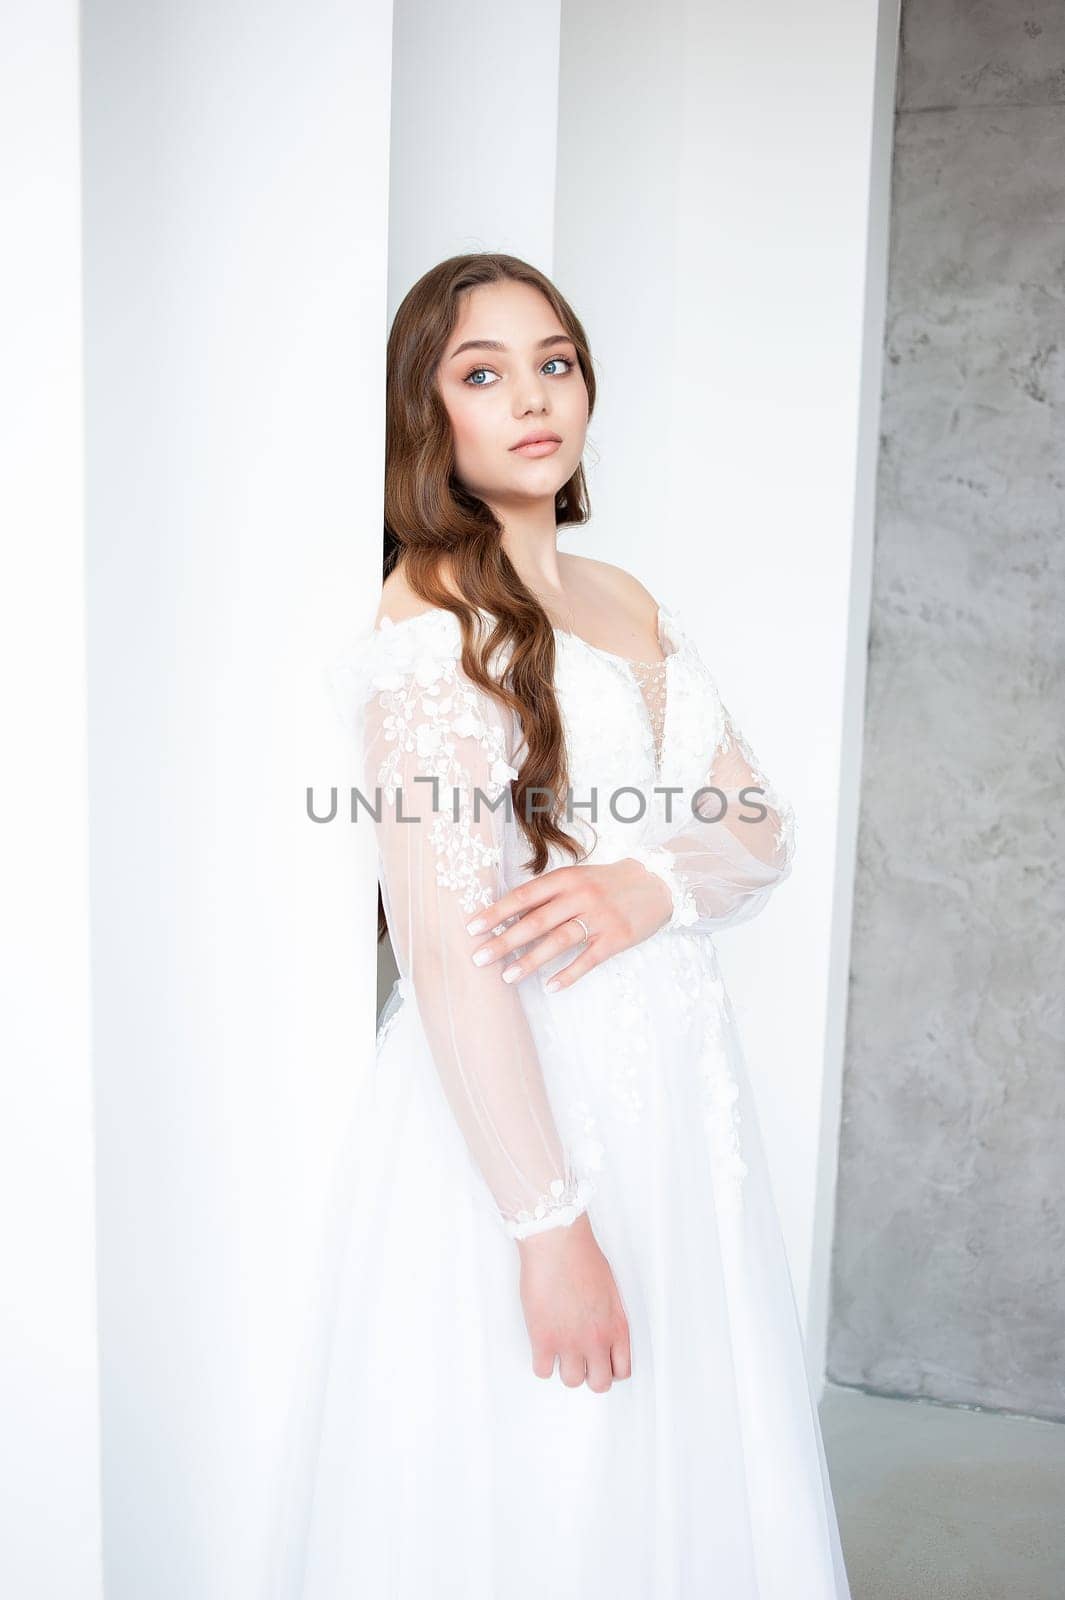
475, 378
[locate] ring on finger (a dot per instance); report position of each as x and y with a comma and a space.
584, 925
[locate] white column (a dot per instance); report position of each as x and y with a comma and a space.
474, 131
236, 183
49, 1436
715, 167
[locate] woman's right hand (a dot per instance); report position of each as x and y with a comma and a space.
572, 1307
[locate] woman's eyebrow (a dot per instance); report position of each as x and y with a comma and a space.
497, 344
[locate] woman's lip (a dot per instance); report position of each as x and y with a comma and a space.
539, 447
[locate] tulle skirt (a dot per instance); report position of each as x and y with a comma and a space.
426, 1460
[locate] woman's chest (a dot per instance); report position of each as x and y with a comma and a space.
638, 746
626, 725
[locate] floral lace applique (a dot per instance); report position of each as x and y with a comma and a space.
721, 1094
664, 865
701, 994
700, 723
653, 680
721, 1109
632, 1034
588, 1148
427, 708
567, 1200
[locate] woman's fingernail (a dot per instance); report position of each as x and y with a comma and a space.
478, 925
552, 986
511, 974
480, 957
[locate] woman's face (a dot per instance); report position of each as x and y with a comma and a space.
510, 370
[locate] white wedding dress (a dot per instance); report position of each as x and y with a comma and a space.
426, 1461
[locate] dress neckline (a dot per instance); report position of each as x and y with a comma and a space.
388, 624
627, 661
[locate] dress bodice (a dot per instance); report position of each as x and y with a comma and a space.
439, 756
633, 729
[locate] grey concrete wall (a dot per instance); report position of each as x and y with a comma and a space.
949, 1268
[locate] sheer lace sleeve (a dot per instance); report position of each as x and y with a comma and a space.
435, 765
731, 843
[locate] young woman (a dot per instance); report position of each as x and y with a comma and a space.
556, 1164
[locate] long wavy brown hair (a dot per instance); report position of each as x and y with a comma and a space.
431, 518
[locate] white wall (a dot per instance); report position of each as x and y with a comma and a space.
49, 1434
474, 126
712, 227
236, 212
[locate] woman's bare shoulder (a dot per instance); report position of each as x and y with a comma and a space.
399, 601
606, 584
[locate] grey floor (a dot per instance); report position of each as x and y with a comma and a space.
938, 1503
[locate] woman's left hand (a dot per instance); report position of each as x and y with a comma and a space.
621, 904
